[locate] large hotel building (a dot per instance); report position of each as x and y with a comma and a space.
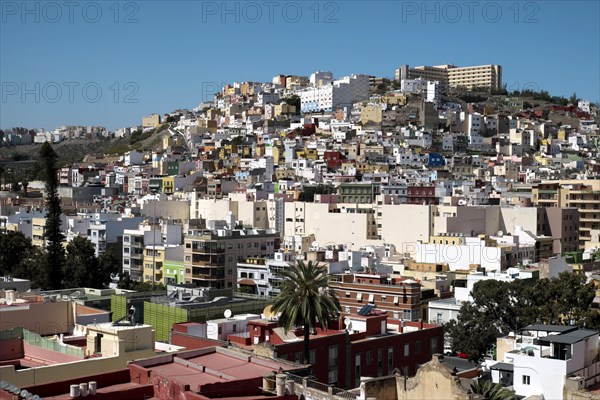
488, 76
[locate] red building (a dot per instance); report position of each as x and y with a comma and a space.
422, 194
399, 297
333, 159
204, 374
370, 345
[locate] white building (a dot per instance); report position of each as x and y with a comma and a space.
471, 251
433, 93
539, 361
415, 86
321, 78
337, 95
219, 329
133, 158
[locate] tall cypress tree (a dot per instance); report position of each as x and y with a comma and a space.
55, 252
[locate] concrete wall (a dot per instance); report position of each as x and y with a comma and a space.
433, 381
404, 225
59, 372
42, 318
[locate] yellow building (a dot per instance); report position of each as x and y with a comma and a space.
371, 113
153, 255
396, 99
168, 184
446, 239
38, 227
488, 76
283, 109
151, 121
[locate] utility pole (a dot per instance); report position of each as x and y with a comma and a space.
154, 242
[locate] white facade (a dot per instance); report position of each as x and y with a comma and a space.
321, 78
219, 329
545, 356
433, 93
340, 93
472, 251
413, 85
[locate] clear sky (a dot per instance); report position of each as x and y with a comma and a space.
111, 62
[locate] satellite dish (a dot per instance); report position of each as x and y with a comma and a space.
500, 233
227, 313
9, 302
347, 321
268, 312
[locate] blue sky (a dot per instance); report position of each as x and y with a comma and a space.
110, 63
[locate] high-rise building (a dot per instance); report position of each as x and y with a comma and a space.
211, 256
583, 195
480, 76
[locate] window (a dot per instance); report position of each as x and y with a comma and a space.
434, 345
368, 357
406, 350
333, 356
526, 380
333, 377
312, 356
390, 359
418, 347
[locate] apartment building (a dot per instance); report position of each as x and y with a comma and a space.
262, 276
480, 76
211, 256
340, 93
582, 195
400, 298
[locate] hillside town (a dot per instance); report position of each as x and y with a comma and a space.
456, 223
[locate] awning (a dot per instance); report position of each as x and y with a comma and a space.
251, 282
502, 366
359, 296
396, 300
371, 298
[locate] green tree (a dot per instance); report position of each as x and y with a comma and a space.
573, 99
81, 267
564, 300
305, 300
497, 308
19, 258
55, 253
25, 185
293, 100
109, 263
126, 282
501, 307
15, 185
490, 390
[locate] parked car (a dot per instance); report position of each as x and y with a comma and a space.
460, 354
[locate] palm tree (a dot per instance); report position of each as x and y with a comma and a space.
305, 299
490, 390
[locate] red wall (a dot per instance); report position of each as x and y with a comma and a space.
11, 349
193, 342
47, 355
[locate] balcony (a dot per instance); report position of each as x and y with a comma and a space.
207, 277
